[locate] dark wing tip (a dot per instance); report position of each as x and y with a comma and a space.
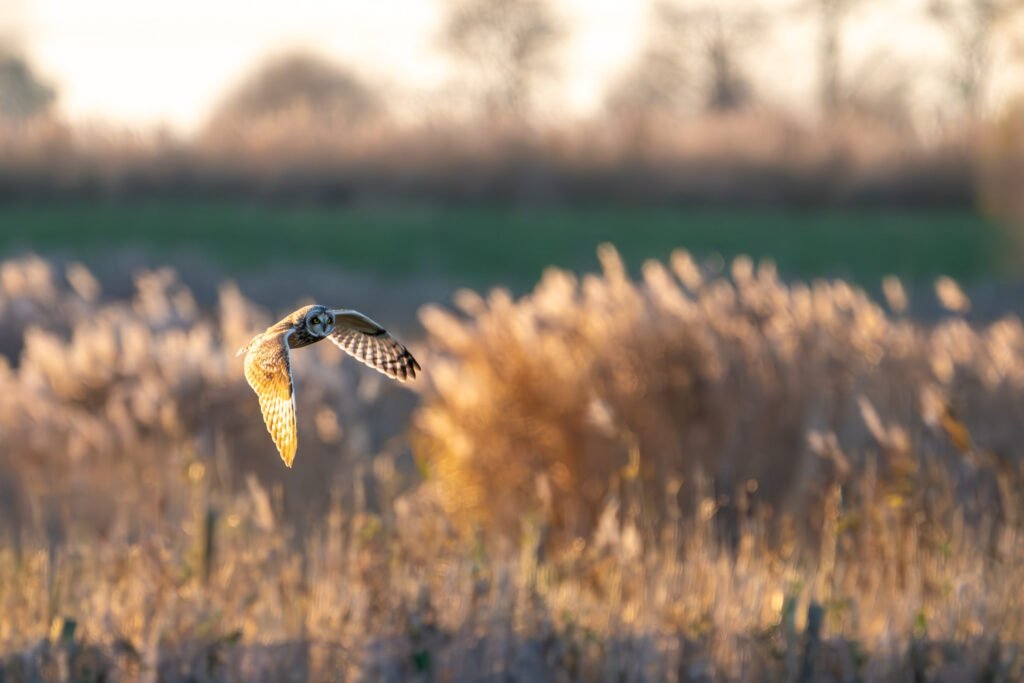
410, 366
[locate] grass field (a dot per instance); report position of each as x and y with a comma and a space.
483, 245
682, 477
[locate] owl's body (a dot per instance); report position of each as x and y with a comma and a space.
268, 361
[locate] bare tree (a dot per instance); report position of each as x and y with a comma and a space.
300, 81
973, 27
510, 44
23, 94
693, 57
726, 36
662, 79
832, 16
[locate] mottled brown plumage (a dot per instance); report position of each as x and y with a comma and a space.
268, 371
371, 344
268, 361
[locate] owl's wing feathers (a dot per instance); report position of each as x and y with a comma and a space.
369, 343
268, 371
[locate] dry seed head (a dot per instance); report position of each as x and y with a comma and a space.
951, 296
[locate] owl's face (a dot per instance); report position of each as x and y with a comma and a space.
319, 322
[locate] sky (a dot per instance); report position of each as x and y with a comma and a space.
140, 62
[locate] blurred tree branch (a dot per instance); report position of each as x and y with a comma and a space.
511, 45
725, 37
663, 80
973, 27
302, 82
23, 94
832, 16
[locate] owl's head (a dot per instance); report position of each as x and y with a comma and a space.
319, 321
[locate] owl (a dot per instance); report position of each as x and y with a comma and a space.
268, 361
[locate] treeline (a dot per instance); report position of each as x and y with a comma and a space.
744, 160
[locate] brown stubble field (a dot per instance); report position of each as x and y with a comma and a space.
690, 475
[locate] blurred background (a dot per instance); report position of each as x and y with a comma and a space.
718, 305
835, 137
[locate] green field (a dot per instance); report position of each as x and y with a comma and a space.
481, 245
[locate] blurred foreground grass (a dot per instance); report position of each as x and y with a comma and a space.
491, 244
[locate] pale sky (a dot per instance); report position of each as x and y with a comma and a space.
140, 62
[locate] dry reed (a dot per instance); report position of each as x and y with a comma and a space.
686, 477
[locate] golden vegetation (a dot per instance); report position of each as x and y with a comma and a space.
783, 391
685, 477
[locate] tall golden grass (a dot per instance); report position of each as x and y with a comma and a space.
541, 403
690, 476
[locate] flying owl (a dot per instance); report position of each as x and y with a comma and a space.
268, 361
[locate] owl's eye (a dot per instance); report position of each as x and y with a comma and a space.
316, 320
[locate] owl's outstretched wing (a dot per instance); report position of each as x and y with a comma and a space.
268, 371
368, 342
